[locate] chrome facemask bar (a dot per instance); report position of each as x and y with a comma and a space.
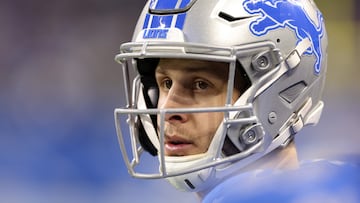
137, 150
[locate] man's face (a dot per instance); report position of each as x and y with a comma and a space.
191, 84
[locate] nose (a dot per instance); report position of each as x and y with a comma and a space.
177, 97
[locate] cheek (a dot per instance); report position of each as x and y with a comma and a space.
208, 124
221, 99
236, 95
161, 100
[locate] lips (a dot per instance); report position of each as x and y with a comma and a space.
177, 146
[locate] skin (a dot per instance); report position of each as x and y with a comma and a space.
187, 84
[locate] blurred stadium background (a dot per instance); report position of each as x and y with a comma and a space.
59, 85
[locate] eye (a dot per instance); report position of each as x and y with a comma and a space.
167, 83
201, 85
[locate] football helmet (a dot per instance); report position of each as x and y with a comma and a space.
280, 46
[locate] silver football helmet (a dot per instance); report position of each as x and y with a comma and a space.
281, 46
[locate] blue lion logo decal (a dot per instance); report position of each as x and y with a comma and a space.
296, 19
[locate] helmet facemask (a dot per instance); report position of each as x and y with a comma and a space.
238, 135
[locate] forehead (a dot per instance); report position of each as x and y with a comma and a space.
191, 65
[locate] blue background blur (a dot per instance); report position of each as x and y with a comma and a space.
59, 85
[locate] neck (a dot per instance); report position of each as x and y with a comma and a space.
280, 159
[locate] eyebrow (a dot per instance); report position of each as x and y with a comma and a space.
191, 69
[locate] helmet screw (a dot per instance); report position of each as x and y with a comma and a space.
262, 62
272, 117
250, 136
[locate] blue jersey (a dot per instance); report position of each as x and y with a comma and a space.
315, 181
